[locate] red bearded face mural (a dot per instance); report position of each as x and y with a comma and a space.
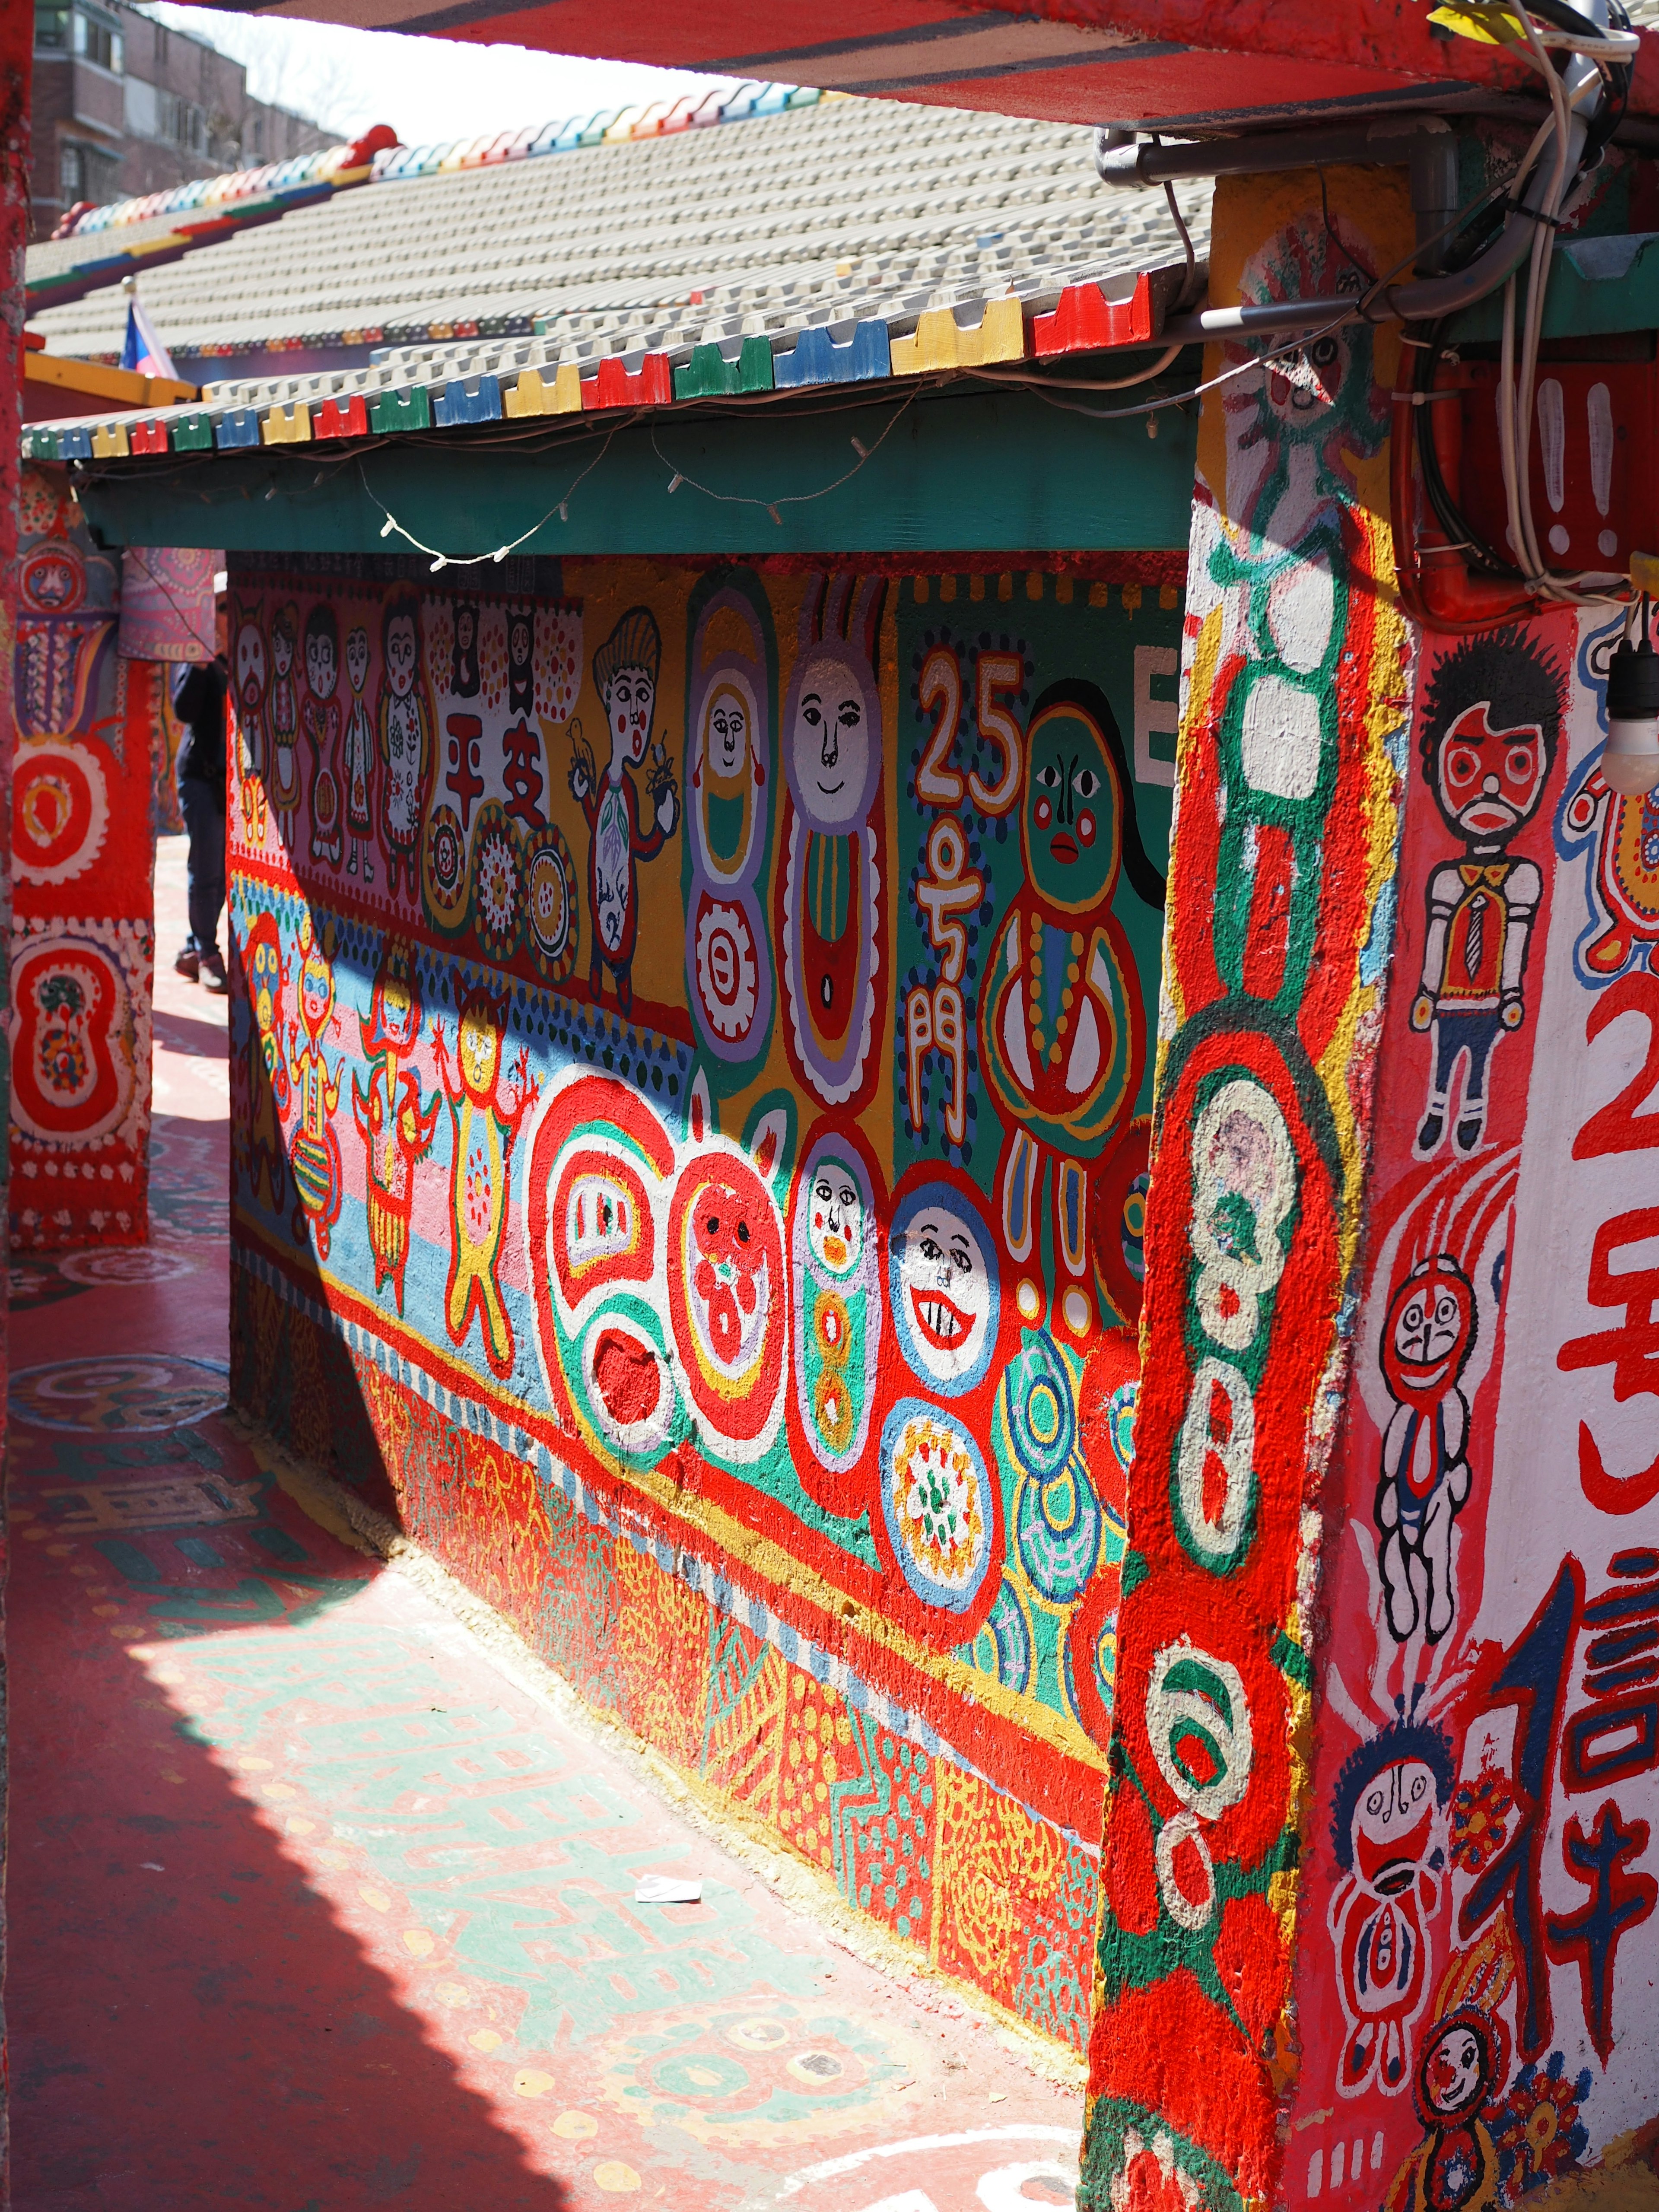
1489, 774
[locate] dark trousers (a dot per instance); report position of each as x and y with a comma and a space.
205, 877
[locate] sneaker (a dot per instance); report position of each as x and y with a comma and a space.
189, 963
213, 971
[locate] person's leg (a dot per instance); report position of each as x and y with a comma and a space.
206, 879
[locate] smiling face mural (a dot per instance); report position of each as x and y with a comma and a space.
606, 1026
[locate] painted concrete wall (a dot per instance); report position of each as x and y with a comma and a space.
83, 846
691, 1068
1379, 1899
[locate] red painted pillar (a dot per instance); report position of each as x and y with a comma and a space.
16, 42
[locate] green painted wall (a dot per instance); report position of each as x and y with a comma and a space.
1008, 471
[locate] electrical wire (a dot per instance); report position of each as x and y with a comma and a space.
678, 477
441, 560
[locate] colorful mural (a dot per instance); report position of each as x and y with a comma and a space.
82, 950
733, 1253
1280, 921
1479, 1941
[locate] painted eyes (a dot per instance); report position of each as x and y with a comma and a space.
1048, 776
1519, 764
1462, 764
1324, 353
1087, 783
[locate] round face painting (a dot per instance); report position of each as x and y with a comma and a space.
629, 698
1394, 1826
1429, 1333
1069, 819
1489, 779
1454, 2075
401, 648
944, 1294
835, 1218
249, 664
834, 739
357, 654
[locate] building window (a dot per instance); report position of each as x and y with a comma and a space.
85, 172
97, 38
51, 29
256, 138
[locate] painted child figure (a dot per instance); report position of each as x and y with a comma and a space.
314, 1153
396, 1129
485, 1126
1427, 1338
282, 767
1454, 2168
407, 740
1491, 713
249, 677
320, 719
358, 760
625, 670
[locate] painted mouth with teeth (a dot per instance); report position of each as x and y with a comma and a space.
943, 1323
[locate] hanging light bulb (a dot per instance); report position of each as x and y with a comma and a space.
1629, 759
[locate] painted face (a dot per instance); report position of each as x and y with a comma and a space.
401, 651
250, 665
1429, 1333
726, 732
728, 1268
479, 1050
832, 744
1489, 780
944, 1290
467, 627
357, 659
316, 992
1393, 1827
518, 644
630, 697
835, 1228
1071, 819
322, 669
282, 650
1454, 2071
1300, 383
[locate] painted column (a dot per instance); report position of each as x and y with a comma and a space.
1280, 925
17, 47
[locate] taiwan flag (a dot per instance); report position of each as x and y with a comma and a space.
144, 350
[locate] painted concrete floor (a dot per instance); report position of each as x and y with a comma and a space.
312, 1908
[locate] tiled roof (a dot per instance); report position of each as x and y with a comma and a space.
828, 243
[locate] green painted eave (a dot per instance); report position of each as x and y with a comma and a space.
1597, 286
967, 469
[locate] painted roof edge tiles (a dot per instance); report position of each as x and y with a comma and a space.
380, 155
394, 398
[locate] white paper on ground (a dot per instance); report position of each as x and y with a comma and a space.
667, 1889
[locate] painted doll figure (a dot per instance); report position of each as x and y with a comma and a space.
1062, 1033
625, 670
407, 741
1427, 1338
1490, 715
835, 1266
396, 1127
248, 679
314, 1151
265, 1066
282, 769
1625, 871
828, 900
1387, 1831
464, 664
729, 783
485, 1126
320, 717
357, 760
520, 661
1461, 2071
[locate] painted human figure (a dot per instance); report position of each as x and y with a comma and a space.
1387, 1834
1454, 2168
265, 1064
828, 897
485, 1126
1428, 1334
625, 670
249, 677
320, 717
520, 661
397, 1127
1489, 716
1062, 1030
1625, 871
407, 740
282, 767
314, 1150
464, 663
357, 760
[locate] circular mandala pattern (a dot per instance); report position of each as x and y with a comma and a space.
834, 1408
135, 1392
1121, 1422
1042, 1410
59, 810
1057, 1532
550, 904
728, 974
936, 1499
1003, 1647
443, 871
122, 1264
497, 883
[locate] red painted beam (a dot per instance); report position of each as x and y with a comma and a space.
1183, 64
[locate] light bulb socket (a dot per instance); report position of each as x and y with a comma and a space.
1633, 683
1629, 759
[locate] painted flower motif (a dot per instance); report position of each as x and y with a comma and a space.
1149, 2180
1480, 1814
939, 1502
1537, 2129
498, 886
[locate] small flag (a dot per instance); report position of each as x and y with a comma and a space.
143, 351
